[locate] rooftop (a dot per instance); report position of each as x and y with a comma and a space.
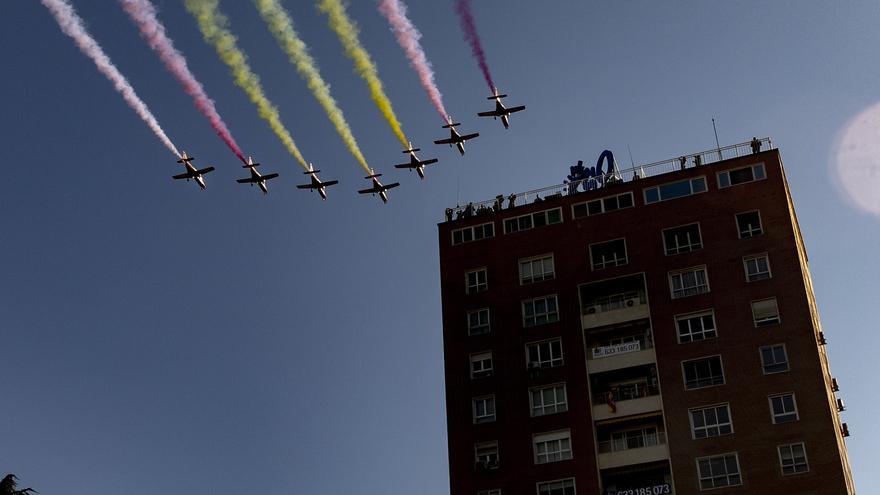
637, 172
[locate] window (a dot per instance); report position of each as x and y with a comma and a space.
533, 220
749, 224
682, 239
608, 254
478, 321
476, 281
689, 282
536, 269
704, 372
673, 190
475, 233
742, 175
696, 326
552, 447
774, 359
793, 459
783, 408
481, 364
712, 421
484, 409
765, 312
546, 354
757, 267
486, 455
540, 310
548, 400
719, 471
560, 487
602, 205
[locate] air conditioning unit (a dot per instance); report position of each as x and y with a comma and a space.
840, 405
822, 340
631, 302
834, 386
844, 429
591, 310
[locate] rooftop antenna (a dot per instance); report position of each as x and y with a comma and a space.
631, 162
457, 190
717, 144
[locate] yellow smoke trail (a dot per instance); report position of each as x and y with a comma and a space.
347, 32
281, 26
214, 27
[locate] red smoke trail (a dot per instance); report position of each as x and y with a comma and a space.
408, 38
72, 25
466, 18
143, 13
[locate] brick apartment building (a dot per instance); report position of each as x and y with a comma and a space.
651, 335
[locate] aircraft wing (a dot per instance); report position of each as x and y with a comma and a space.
371, 190
516, 109
185, 175
390, 186
304, 186
406, 165
493, 113
249, 180
205, 170
444, 141
469, 136
329, 183
429, 161
269, 176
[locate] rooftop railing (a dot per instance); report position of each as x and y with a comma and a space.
638, 172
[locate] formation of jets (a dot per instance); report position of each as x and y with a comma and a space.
377, 187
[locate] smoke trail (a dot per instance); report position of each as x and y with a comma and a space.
213, 26
281, 26
72, 25
347, 32
143, 13
466, 18
408, 38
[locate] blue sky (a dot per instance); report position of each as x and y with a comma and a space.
220, 341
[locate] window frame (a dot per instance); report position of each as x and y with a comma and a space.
617, 262
700, 477
544, 406
476, 289
751, 234
535, 315
531, 260
552, 436
757, 276
478, 312
545, 213
771, 323
601, 201
491, 491
702, 358
560, 360
773, 415
717, 425
794, 465
696, 314
772, 348
690, 182
754, 167
488, 444
682, 271
473, 230
561, 481
483, 372
486, 418
666, 248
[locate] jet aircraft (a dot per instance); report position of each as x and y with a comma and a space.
191, 171
500, 109
256, 177
454, 137
415, 163
317, 184
378, 188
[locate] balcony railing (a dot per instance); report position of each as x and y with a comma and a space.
640, 171
639, 343
629, 443
627, 391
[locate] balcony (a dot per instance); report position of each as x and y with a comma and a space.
639, 449
615, 308
626, 400
608, 357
